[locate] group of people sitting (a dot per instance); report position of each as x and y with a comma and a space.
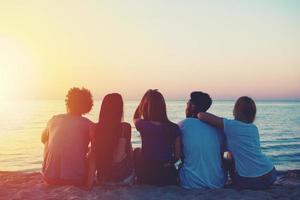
201, 151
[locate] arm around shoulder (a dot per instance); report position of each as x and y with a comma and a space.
211, 119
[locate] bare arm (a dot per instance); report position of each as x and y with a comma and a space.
139, 109
137, 114
211, 119
126, 132
91, 159
92, 135
177, 148
45, 136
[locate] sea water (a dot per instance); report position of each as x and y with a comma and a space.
22, 122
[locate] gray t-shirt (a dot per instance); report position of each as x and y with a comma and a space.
201, 146
65, 151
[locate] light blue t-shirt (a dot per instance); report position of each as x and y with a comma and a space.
243, 142
201, 146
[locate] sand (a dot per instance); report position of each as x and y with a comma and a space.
19, 185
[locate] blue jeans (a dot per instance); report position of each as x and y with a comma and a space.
256, 183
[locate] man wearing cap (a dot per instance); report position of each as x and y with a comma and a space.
201, 146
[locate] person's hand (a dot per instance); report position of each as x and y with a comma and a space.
227, 155
199, 115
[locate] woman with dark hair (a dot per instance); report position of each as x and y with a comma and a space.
66, 140
154, 162
111, 144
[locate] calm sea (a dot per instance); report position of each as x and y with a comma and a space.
21, 124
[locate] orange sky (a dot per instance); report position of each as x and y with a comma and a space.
225, 48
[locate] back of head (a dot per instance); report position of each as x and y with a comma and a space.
108, 131
199, 102
111, 111
154, 107
79, 101
245, 109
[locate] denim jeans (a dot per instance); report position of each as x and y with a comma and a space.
256, 183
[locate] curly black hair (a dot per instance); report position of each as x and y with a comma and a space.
79, 101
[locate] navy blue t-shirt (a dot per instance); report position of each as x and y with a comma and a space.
158, 139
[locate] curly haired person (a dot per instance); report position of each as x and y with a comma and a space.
66, 139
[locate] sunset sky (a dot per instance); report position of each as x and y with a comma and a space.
226, 48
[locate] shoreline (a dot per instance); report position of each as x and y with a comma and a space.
29, 185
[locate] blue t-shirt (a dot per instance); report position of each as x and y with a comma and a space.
201, 146
157, 139
243, 142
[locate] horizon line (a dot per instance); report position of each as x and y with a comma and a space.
167, 99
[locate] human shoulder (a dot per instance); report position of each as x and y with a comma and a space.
174, 128
126, 130
173, 125
183, 121
82, 121
229, 124
141, 124
56, 117
59, 116
126, 127
189, 120
87, 120
237, 123
139, 121
183, 124
232, 126
66, 116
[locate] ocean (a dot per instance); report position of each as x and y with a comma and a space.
22, 122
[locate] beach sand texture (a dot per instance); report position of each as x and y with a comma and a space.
17, 185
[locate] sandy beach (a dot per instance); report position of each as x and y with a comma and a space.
19, 185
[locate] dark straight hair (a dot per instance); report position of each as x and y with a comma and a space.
111, 111
108, 131
154, 107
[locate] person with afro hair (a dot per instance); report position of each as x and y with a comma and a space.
66, 139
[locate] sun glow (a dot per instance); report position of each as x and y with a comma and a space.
16, 68
246, 49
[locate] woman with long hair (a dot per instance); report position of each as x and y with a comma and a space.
154, 162
111, 144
